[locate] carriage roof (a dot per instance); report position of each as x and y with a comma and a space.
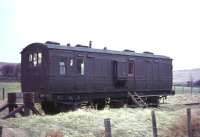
83, 48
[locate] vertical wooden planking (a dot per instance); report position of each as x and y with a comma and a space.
3, 93
189, 122
154, 126
107, 128
1, 131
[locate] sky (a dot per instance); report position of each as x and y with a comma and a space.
164, 27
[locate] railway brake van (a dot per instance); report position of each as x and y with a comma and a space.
64, 77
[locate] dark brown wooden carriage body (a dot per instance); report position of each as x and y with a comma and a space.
83, 73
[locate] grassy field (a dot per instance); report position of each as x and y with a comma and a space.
10, 86
125, 122
184, 89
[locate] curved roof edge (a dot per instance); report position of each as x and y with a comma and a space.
92, 50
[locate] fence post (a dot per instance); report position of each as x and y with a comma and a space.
1, 131
189, 122
3, 93
107, 128
154, 126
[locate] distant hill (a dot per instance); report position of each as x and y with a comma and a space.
182, 76
5, 63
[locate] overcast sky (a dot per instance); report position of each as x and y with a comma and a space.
168, 27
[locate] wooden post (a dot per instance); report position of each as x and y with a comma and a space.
3, 94
1, 131
107, 127
189, 122
11, 101
154, 126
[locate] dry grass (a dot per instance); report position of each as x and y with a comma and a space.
54, 134
179, 127
125, 122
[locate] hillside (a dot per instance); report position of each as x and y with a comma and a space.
182, 76
5, 63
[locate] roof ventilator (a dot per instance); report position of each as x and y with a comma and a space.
52, 42
147, 52
127, 50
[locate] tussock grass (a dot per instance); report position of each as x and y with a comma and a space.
179, 127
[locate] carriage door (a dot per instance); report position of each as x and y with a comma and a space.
36, 73
149, 75
120, 75
80, 73
131, 75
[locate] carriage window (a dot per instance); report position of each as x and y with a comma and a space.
30, 57
80, 66
39, 58
35, 59
71, 62
62, 68
130, 68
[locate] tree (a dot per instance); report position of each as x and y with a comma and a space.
197, 83
8, 70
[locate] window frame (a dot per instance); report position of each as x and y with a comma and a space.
80, 66
131, 68
62, 68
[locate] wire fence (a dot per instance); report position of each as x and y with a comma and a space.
179, 89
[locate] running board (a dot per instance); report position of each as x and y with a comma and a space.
137, 99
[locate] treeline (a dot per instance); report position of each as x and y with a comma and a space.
10, 72
193, 83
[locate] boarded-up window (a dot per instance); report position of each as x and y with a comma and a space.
80, 66
122, 70
62, 68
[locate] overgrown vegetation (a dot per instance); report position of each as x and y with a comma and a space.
125, 122
179, 127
